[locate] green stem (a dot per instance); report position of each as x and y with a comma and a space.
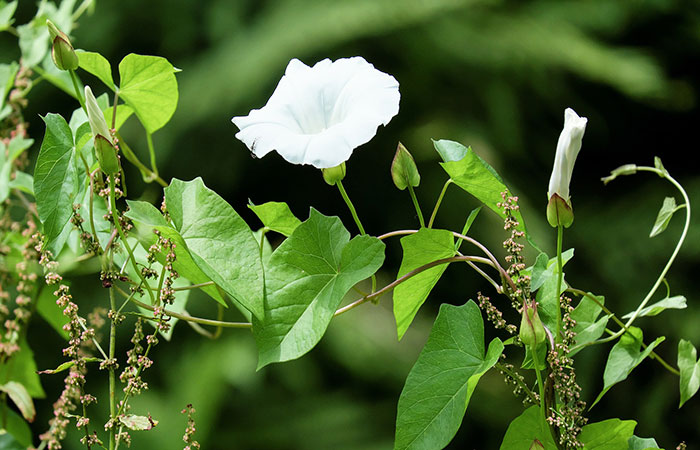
117, 225
560, 279
112, 376
540, 385
517, 379
672, 258
652, 355
351, 207
79, 95
417, 206
439, 201
152, 153
148, 174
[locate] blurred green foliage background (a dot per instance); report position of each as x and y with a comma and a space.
495, 75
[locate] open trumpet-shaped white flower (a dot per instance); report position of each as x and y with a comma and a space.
318, 115
568, 147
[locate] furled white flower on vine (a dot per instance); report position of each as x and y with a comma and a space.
318, 115
567, 149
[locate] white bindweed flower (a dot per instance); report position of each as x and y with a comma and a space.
567, 149
318, 115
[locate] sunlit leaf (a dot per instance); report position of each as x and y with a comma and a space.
625, 355
423, 247
588, 327
147, 218
19, 395
475, 176
276, 216
218, 239
440, 384
57, 181
307, 277
612, 434
524, 429
689, 367
97, 65
664, 216
149, 86
675, 302
20, 367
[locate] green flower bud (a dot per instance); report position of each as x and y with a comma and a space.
332, 175
531, 328
62, 51
106, 155
104, 147
559, 212
536, 445
403, 169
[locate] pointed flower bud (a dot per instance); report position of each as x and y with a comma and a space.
334, 174
104, 145
62, 51
568, 146
531, 329
403, 169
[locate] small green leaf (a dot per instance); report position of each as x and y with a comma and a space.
19, 395
7, 80
637, 443
440, 384
23, 182
149, 86
6, 13
57, 181
588, 328
219, 240
306, 279
538, 272
676, 302
625, 355
689, 367
138, 423
467, 225
547, 297
66, 365
524, 429
475, 176
17, 428
147, 218
664, 217
20, 367
423, 247
8, 442
612, 434
276, 216
97, 65
7, 157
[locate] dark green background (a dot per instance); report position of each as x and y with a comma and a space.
495, 75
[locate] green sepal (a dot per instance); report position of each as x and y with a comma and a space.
559, 212
332, 175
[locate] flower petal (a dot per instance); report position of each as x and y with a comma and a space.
318, 115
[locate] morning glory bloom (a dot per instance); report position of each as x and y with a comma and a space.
318, 115
567, 149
